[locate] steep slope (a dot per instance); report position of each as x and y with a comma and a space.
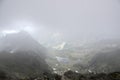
103, 56
106, 61
20, 41
21, 55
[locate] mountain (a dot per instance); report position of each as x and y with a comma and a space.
103, 56
20, 41
21, 55
106, 61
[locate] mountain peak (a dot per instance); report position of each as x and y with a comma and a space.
21, 41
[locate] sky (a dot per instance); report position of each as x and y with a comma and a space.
69, 20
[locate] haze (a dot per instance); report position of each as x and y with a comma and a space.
67, 20
50, 39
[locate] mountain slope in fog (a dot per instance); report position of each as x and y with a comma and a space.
20, 41
101, 56
21, 55
106, 61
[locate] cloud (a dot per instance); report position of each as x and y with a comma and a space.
74, 19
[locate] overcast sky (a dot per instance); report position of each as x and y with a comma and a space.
68, 19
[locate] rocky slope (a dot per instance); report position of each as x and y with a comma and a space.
21, 55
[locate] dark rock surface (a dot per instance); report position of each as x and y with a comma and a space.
69, 75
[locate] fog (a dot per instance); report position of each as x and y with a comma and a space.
43, 39
67, 20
